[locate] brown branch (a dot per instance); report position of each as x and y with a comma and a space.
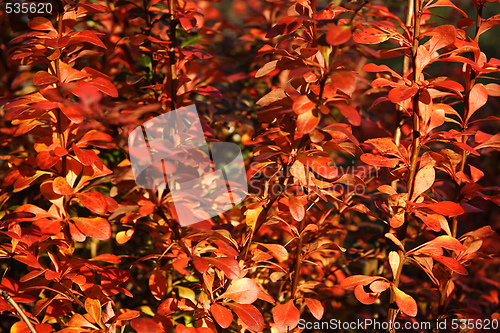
18, 309
391, 318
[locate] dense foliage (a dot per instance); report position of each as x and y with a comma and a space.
369, 135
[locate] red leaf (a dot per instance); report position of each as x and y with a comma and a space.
229, 266
384, 145
303, 104
158, 285
94, 201
93, 308
406, 303
105, 86
285, 26
271, 97
476, 174
355, 280
350, 113
42, 78
378, 160
447, 208
243, 291
443, 35
370, 36
222, 315
73, 114
364, 297
477, 98
41, 23
146, 325
210, 91
338, 35
61, 186
402, 93
452, 264
296, 208
286, 316
95, 227
448, 242
276, 249
307, 122
266, 69
315, 307
87, 36
249, 315
423, 180
68, 74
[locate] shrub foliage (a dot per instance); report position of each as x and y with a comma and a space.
369, 136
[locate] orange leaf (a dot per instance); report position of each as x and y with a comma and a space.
452, 264
378, 160
364, 297
477, 98
146, 325
94, 201
249, 315
307, 122
61, 186
93, 307
104, 86
355, 280
286, 316
447, 208
243, 291
405, 302
95, 227
296, 208
315, 307
423, 180
303, 104
42, 78
222, 315
338, 35
229, 266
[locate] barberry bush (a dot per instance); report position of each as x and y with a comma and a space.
371, 141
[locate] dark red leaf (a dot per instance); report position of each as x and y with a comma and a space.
285, 26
